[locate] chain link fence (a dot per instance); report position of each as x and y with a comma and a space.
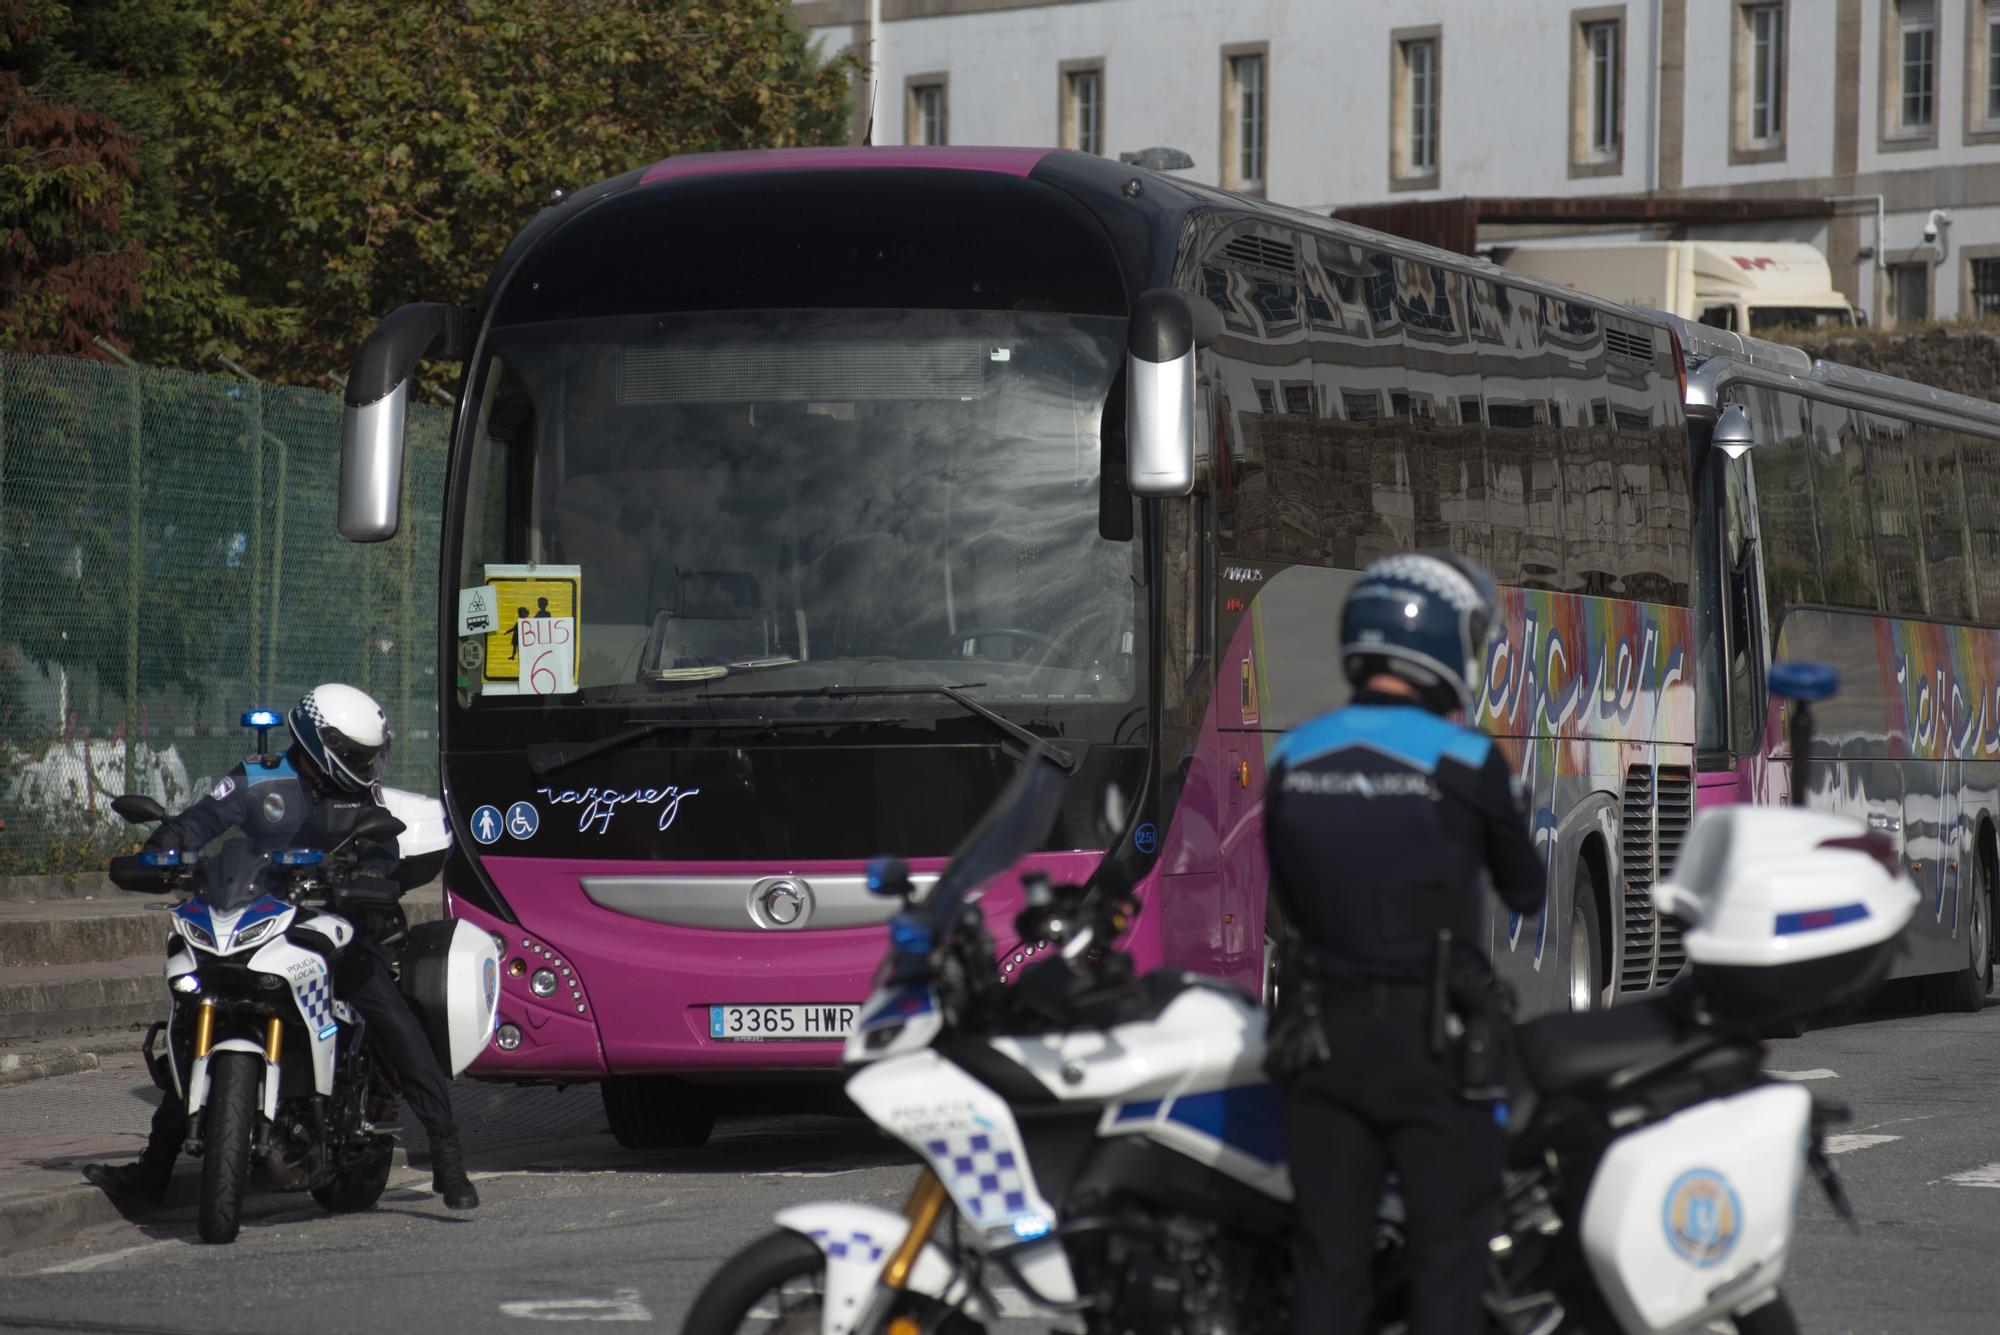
168, 560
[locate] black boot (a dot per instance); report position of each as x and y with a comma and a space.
141, 1183
448, 1177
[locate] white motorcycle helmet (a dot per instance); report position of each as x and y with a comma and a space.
345, 733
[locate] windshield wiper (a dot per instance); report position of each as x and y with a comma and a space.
956, 694
545, 758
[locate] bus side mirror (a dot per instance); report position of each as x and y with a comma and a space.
1167, 326
371, 423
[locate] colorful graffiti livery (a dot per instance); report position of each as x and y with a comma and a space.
1559, 665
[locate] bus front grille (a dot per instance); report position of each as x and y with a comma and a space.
1635, 831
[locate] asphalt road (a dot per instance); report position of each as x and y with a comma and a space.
577, 1230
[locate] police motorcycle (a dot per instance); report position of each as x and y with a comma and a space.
1109, 1146
272, 1065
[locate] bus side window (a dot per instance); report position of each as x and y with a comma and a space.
1720, 317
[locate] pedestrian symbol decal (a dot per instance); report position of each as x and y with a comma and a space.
523, 820
486, 825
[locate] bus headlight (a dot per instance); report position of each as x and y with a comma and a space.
507, 1037
543, 983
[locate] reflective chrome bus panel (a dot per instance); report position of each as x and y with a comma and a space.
1856, 529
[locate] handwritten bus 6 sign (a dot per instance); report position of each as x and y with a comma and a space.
548, 655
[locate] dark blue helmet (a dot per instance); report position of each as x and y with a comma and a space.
1423, 619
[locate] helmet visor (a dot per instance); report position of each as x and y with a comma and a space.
358, 763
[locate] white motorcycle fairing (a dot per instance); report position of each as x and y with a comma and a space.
1690, 1219
857, 1241
1191, 1078
261, 927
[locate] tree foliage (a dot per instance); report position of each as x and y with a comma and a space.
266, 181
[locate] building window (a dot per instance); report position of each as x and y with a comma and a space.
1245, 116
1992, 48
1918, 67
1760, 78
1910, 291
925, 121
1909, 75
1597, 91
1982, 71
1414, 97
1606, 98
1767, 74
1420, 59
1984, 295
1083, 106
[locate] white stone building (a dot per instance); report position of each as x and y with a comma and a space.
1325, 103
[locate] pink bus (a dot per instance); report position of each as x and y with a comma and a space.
1852, 518
791, 492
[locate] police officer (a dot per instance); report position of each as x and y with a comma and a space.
1380, 818
312, 796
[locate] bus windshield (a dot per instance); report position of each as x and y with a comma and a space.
787, 501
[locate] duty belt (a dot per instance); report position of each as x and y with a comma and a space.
1375, 999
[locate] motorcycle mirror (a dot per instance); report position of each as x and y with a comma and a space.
138, 809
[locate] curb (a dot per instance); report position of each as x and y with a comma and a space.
17, 1068
81, 1053
57, 1215
60, 1214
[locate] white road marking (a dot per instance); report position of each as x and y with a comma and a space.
809, 1172
623, 1306
84, 1263
1842, 1144
1987, 1175
1816, 1073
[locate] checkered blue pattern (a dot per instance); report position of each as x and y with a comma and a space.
315, 1002
854, 1243
987, 1181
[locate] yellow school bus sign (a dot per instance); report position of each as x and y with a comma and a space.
529, 591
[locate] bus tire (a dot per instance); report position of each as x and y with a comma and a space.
1966, 989
1586, 942
657, 1112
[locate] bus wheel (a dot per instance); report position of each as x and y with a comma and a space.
1966, 989
657, 1112
1586, 967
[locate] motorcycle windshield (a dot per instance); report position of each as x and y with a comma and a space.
233, 878
1015, 826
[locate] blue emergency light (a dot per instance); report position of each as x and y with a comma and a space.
263, 720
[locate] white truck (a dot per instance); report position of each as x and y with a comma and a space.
1749, 287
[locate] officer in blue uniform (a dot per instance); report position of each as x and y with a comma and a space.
1381, 819
311, 797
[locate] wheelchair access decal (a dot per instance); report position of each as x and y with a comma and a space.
523, 820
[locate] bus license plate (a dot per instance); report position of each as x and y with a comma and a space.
765, 1024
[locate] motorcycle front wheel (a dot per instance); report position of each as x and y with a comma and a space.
231, 1120
777, 1286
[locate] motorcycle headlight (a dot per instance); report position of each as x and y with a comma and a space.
195, 933
254, 933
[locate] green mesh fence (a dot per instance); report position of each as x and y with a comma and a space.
168, 560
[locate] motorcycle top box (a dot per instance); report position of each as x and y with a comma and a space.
1789, 911
451, 978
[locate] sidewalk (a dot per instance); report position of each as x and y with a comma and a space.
50, 1128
